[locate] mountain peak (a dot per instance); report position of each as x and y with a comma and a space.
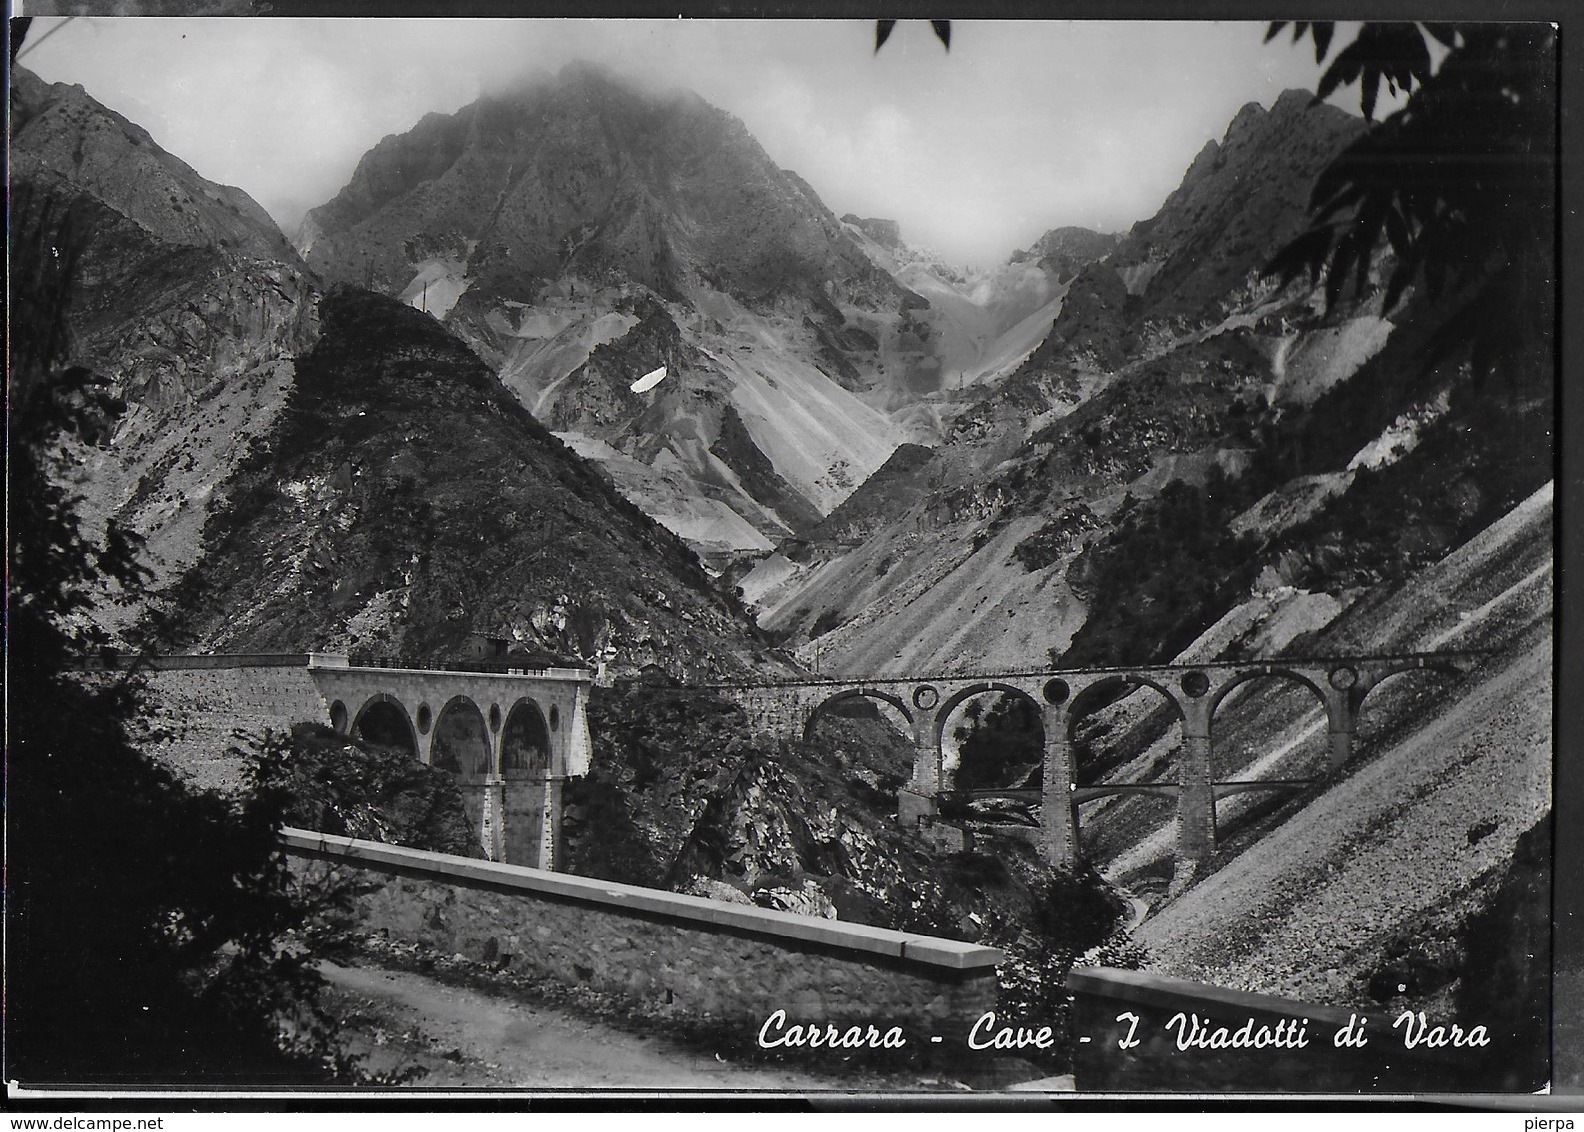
589, 71
60, 131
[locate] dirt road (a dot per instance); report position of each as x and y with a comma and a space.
467, 1039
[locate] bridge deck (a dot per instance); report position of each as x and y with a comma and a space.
1271, 663
1161, 789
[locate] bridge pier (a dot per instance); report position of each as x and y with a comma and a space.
1058, 810
550, 821
1341, 747
916, 800
1196, 824
492, 831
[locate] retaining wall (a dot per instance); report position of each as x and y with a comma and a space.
728, 964
198, 712
1156, 1063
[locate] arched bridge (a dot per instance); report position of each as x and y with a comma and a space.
1064, 696
512, 738
511, 734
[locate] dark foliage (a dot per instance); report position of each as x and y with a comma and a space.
149, 928
659, 752
339, 785
884, 28
1460, 183
1164, 573
1047, 545
998, 744
1507, 949
1469, 468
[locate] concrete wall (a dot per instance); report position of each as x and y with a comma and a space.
1156, 1064
733, 964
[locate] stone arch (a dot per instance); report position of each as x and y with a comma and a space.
461, 738
383, 720
1095, 696
950, 705
1242, 678
1439, 667
1367, 688
1307, 750
1091, 761
847, 696
963, 694
525, 740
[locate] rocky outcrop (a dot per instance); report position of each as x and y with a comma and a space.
345, 786
58, 129
1063, 252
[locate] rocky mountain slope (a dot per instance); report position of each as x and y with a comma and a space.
1195, 464
405, 502
187, 297
1451, 773
1168, 360
1137, 450
324, 472
580, 234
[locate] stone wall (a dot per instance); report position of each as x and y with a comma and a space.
1103, 1000
198, 714
731, 965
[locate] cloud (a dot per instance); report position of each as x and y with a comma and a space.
1023, 126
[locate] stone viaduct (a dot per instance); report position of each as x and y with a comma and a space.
512, 736
1063, 697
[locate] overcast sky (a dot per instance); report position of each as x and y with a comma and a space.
1022, 127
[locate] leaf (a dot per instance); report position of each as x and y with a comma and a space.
942, 32
1343, 69
1307, 252
1274, 29
1397, 230
883, 29
1367, 91
1401, 276
1322, 32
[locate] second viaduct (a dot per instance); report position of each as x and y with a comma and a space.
1063, 697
